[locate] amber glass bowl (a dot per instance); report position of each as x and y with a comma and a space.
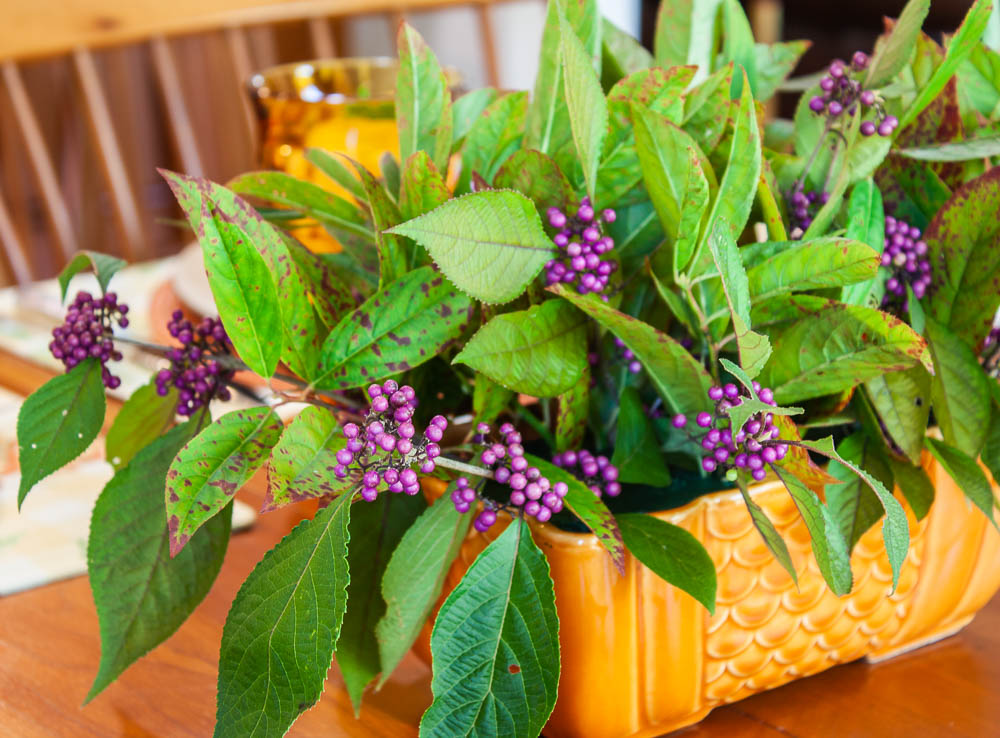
340, 105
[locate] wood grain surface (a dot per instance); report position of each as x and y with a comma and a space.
49, 651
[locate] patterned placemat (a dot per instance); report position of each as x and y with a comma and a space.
47, 540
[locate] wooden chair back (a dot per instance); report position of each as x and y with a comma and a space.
157, 84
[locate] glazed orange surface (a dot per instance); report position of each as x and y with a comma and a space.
640, 657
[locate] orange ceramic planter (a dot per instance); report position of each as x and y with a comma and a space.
664, 662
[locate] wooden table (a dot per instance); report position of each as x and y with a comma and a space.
49, 651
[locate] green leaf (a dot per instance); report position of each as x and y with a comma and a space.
415, 576
494, 136
392, 250
333, 168
391, 177
828, 544
854, 505
537, 177
772, 539
963, 243
498, 678
895, 529
966, 38
423, 188
822, 347
58, 422
893, 51
960, 390
774, 63
990, 455
401, 326
145, 416
673, 554
865, 223
676, 183
547, 126
310, 199
707, 108
465, 111
541, 351
489, 244
810, 265
571, 414
967, 473
143, 594
376, 529
947, 151
213, 466
902, 401
684, 33
739, 183
740, 414
589, 508
738, 46
660, 91
621, 55
915, 485
489, 399
588, 110
423, 101
681, 381
754, 348
637, 452
277, 644
239, 273
104, 266
302, 461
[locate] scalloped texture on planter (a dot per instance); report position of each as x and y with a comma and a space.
640, 657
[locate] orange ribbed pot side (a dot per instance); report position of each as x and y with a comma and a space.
640, 657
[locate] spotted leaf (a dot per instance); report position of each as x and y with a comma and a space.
213, 466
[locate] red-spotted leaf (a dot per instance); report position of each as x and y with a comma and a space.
571, 414
493, 137
963, 243
588, 507
392, 250
538, 177
213, 466
302, 461
423, 101
262, 297
423, 188
401, 326
821, 346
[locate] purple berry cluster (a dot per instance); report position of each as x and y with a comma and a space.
804, 206
385, 446
842, 92
581, 244
634, 365
753, 446
597, 472
529, 489
86, 332
194, 368
905, 256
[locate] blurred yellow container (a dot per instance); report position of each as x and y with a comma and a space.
340, 105
664, 662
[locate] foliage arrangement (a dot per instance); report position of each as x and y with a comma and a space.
637, 286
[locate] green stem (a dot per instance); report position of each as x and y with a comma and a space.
538, 426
